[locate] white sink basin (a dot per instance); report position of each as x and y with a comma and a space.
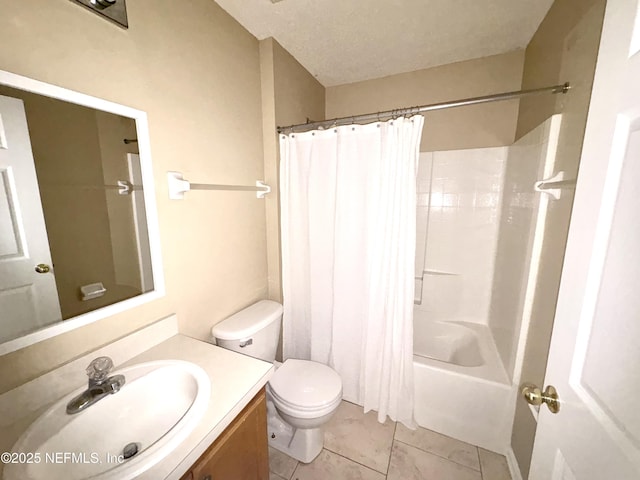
158, 406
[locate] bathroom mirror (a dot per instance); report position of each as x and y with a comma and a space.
78, 225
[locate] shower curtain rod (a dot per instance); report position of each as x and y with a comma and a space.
564, 88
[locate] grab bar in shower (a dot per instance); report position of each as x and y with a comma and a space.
178, 186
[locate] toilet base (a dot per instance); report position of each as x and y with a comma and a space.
303, 444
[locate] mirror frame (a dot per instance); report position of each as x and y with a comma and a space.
144, 147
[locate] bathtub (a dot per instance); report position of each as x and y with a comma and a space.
461, 387
447, 342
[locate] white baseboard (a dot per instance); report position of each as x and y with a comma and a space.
514, 469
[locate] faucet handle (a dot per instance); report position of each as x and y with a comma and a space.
98, 370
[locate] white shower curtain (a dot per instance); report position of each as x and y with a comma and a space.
348, 213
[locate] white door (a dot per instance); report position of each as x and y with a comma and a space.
594, 361
140, 223
28, 299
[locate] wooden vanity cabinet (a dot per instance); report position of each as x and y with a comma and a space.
241, 451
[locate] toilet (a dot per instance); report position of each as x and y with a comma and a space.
301, 395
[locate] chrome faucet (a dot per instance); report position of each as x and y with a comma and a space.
100, 385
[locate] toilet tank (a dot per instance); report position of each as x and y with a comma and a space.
253, 331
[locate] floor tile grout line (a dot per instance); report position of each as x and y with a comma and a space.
354, 461
440, 456
480, 463
290, 477
280, 476
283, 478
294, 471
393, 440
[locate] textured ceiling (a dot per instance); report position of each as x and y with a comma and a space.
344, 41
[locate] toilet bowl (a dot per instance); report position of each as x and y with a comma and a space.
305, 396
301, 396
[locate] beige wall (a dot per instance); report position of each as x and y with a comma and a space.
488, 125
196, 72
290, 96
563, 49
516, 257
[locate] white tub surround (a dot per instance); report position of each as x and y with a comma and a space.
523, 226
481, 223
459, 200
235, 380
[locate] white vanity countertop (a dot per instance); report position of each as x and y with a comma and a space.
235, 380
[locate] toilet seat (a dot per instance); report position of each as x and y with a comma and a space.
305, 389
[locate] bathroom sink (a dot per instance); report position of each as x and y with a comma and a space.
154, 411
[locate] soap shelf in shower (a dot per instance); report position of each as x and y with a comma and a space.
178, 186
437, 273
418, 300
553, 186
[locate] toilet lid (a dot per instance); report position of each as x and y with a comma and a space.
306, 384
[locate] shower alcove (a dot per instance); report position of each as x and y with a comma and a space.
480, 224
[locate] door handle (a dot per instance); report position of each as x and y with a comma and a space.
534, 396
43, 268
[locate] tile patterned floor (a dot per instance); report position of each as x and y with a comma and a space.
357, 447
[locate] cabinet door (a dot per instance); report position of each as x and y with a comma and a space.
241, 452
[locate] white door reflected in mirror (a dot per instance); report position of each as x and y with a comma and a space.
28, 298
